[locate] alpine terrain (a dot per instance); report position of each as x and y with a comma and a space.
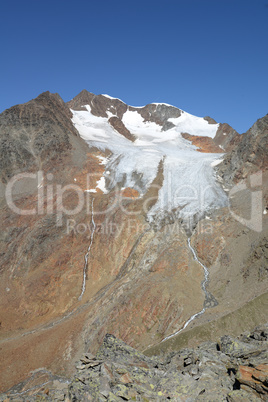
133, 251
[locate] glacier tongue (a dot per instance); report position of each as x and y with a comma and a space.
189, 187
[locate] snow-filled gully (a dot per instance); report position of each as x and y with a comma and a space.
210, 301
88, 251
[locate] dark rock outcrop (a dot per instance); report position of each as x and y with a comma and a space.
210, 120
99, 104
34, 135
226, 137
119, 126
159, 114
83, 98
250, 154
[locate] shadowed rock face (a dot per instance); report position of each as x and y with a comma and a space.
34, 135
249, 155
226, 137
142, 283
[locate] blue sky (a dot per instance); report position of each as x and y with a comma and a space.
207, 57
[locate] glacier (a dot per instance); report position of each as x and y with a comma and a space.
189, 189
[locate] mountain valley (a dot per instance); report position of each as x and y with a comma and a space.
128, 221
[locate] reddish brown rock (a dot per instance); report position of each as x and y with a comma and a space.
205, 144
226, 137
255, 378
126, 379
130, 193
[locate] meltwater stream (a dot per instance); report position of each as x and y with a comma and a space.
208, 296
88, 251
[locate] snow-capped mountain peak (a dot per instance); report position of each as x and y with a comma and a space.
189, 187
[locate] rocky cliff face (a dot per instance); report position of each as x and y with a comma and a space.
35, 135
250, 154
226, 137
140, 280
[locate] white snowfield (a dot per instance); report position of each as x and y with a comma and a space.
111, 97
186, 123
189, 187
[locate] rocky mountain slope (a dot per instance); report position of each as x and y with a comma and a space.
35, 135
230, 370
250, 155
110, 216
